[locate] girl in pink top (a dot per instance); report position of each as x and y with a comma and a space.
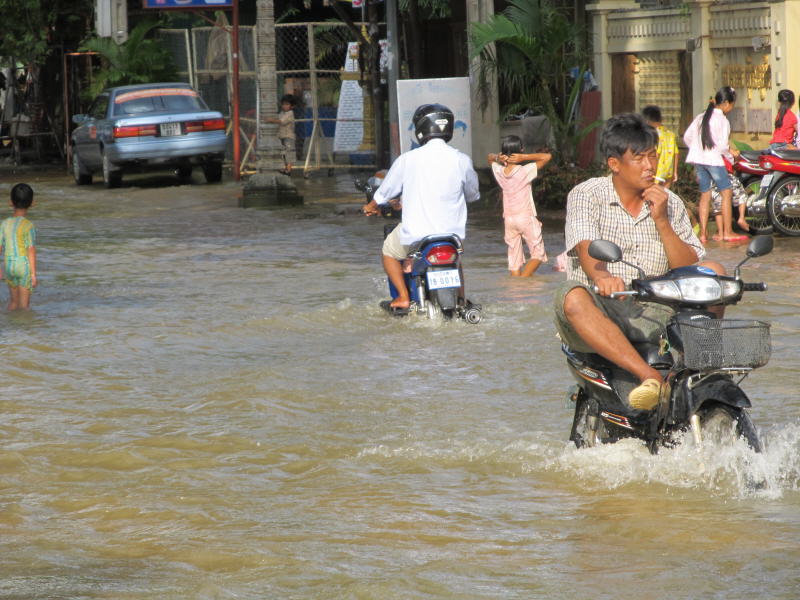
519, 212
709, 148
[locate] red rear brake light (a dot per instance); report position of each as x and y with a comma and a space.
441, 255
134, 131
204, 125
213, 124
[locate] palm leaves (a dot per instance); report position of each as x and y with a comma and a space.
137, 60
529, 48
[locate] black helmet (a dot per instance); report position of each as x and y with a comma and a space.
433, 121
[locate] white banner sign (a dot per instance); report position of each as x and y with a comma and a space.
350, 112
453, 92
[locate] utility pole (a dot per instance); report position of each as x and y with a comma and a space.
393, 52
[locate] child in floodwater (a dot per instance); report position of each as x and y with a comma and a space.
18, 240
519, 211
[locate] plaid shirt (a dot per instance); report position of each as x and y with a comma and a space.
594, 212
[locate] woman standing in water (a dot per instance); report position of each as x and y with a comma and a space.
708, 140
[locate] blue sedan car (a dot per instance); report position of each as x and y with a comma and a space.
148, 126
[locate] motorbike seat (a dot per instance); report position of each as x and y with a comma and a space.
786, 154
752, 155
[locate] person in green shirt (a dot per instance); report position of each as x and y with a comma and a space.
18, 241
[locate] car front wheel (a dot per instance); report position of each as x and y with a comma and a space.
111, 177
213, 172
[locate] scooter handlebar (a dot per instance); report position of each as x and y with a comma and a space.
617, 294
754, 287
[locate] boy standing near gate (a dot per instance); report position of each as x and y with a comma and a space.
286, 134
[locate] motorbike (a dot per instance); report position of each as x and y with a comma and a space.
779, 190
433, 272
435, 280
702, 358
749, 172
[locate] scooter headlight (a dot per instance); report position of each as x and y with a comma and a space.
731, 289
700, 289
666, 289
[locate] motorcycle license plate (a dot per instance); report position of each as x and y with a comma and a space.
170, 129
443, 279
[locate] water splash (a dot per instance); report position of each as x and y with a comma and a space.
730, 470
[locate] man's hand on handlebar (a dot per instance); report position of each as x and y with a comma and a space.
605, 286
371, 209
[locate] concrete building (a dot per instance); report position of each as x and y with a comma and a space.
678, 56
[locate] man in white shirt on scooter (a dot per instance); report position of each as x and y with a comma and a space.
436, 182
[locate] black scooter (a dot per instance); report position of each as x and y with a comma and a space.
702, 358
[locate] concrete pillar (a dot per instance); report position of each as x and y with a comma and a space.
702, 59
602, 59
485, 128
785, 22
269, 151
266, 187
601, 52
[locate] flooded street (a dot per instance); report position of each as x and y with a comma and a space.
207, 403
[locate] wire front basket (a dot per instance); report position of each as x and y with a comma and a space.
725, 343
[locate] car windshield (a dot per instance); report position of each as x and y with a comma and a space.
157, 100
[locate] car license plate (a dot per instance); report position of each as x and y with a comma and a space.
443, 279
170, 129
766, 180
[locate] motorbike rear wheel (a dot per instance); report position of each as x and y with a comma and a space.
720, 423
785, 224
759, 223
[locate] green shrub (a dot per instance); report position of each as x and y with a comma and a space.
550, 189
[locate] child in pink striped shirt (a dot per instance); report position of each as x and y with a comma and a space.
514, 172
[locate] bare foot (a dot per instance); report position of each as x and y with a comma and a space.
743, 224
703, 239
514, 273
400, 303
716, 237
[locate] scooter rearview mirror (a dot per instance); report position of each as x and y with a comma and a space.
760, 245
605, 251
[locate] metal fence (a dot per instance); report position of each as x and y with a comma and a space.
315, 62
318, 64
204, 59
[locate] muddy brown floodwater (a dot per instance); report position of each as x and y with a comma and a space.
207, 402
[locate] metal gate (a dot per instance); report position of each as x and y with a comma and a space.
204, 59
333, 120
334, 126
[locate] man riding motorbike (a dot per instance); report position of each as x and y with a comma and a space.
650, 224
436, 182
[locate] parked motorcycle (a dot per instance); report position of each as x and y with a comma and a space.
435, 280
780, 190
699, 356
749, 172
